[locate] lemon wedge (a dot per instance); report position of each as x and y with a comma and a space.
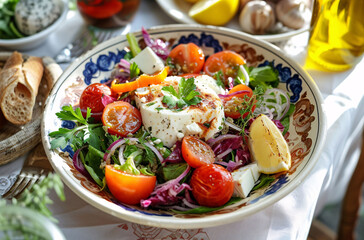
214, 12
268, 147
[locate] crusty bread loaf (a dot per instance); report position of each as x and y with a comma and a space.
19, 83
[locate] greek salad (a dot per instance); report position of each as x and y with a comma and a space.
176, 129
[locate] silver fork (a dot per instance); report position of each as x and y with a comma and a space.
87, 39
36, 167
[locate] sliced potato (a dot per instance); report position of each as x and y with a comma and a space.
268, 146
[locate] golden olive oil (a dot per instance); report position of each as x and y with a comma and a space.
337, 34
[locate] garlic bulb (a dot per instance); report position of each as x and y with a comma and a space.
293, 13
257, 17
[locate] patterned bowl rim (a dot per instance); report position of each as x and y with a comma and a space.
212, 220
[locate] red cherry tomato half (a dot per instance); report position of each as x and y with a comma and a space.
188, 58
226, 61
91, 98
121, 118
242, 100
100, 9
196, 152
212, 185
128, 188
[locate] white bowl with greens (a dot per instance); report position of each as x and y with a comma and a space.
24, 25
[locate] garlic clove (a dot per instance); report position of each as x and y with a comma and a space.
257, 17
293, 13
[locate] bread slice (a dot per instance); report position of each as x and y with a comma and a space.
19, 83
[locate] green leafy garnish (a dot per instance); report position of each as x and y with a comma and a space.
285, 119
172, 171
219, 76
202, 209
75, 136
264, 181
8, 29
186, 95
265, 76
69, 114
134, 70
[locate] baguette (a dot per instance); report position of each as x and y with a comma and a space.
19, 83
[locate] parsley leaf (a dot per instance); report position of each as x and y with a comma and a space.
134, 70
69, 114
186, 95
265, 76
76, 136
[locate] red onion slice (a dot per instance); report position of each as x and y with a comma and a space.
79, 165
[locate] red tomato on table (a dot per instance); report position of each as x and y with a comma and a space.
232, 108
226, 61
188, 58
196, 152
121, 118
91, 98
128, 188
212, 185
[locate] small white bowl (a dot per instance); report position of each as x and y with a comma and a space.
32, 41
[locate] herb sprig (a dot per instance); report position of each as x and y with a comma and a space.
186, 95
76, 135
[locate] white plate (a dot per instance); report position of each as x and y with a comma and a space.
306, 132
178, 10
32, 41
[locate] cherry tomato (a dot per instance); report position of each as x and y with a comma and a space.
188, 58
100, 9
121, 118
190, 75
241, 100
196, 152
226, 61
91, 98
128, 188
212, 185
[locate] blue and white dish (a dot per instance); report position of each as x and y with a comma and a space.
305, 140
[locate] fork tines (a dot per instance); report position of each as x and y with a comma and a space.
87, 39
36, 167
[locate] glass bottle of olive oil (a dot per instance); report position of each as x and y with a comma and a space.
336, 40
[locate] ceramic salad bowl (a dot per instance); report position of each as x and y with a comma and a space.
305, 139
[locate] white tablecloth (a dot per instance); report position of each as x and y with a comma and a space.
290, 218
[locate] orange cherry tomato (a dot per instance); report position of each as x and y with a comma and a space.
190, 75
91, 98
196, 152
121, 118
241, 100
226, 61
212, 185
188, 58
128, 188
143, 80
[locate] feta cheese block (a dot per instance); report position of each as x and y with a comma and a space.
32, 16
245, 179
203, 120
148, 61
